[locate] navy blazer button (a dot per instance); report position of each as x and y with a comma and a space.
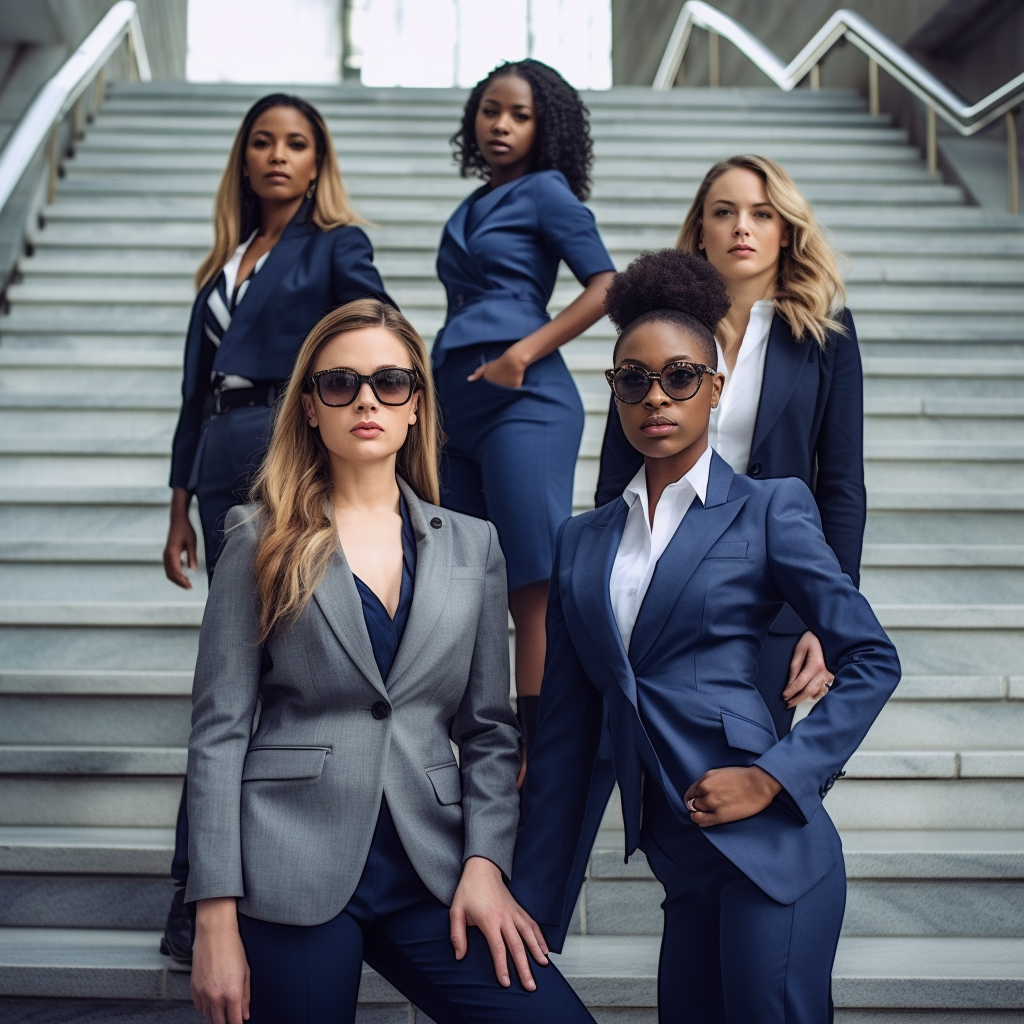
755, 469
380, 710
436, 523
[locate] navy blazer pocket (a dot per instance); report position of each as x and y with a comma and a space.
284, 763
447, 783
728, 549
744, 734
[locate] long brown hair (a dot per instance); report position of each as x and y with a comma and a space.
236, 212
809, 292
293, 487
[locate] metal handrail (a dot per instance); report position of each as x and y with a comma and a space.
966, 119
64, 93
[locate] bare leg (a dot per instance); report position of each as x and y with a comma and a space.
528, 606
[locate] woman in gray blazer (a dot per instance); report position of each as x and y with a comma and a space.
355, 634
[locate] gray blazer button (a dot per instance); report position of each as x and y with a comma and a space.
380, 710
436, 523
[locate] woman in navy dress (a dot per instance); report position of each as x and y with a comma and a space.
286, 251
511, 410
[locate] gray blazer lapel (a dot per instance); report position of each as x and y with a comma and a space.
433, 578
339, 601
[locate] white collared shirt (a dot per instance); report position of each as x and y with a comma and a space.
641, 545
731, 431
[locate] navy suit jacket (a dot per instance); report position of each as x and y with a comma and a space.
308, 273
683, 700
810, 424
499, 257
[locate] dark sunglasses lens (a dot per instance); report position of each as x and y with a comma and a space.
681, 382
631, 384
337, 387
393, 387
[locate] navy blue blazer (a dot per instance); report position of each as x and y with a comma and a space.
810, 424
308, 273
499, 257
683, 700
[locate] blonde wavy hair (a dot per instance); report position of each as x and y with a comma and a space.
293, 487
809, 293
236, 211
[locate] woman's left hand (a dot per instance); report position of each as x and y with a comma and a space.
482, 899
729, 794
507, 370
809, 677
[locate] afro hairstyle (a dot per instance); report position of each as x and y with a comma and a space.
670, 286
563, 140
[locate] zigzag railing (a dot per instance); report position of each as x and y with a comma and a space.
882, 52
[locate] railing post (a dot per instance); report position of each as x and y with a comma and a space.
931, 141
53, 157
1012, 164
97, 95
874, 105
714, 61
816, 77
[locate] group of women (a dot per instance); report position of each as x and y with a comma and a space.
371, 513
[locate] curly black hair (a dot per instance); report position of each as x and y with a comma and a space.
563, 129
669, 285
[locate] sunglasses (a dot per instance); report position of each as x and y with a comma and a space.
339, 387
680, 381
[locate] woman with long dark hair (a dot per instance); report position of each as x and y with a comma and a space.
511, 410
287, 249
370, 628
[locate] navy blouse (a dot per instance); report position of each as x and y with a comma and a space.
385, 632
499, 258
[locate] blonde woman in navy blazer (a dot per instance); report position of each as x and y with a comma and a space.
511, 410
660, 602
287, 250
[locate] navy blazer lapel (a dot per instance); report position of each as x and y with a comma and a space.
492, 198
590, 572
342, 607
702, 525
456, 226
430, 587
784, 361
194, 342
279, 261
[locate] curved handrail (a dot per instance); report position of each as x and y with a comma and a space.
61, 92
844, 24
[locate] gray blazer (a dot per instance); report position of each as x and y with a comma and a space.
283, 818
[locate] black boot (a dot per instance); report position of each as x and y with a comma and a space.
526, 712
178, 932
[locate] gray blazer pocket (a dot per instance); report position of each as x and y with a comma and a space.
728, 549
447, 783
284, 763
743, 734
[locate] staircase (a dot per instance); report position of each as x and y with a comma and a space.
98, 648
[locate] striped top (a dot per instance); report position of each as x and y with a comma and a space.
222, 303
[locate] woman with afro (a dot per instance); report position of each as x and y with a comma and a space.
510, 408
660, 602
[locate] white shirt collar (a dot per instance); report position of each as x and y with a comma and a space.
696, 477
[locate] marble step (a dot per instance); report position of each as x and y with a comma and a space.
608, 972
900, 883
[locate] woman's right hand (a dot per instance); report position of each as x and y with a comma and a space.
181, 540
220, 972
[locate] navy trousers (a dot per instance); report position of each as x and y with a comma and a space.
511, 453
772, 676
729, 953
310, 975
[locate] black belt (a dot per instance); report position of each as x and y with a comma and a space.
244, 398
